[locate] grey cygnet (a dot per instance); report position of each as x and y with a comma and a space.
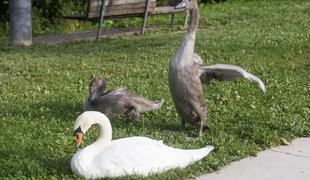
118, 101
186, 75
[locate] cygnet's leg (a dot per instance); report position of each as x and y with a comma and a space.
136, 115
132, 113
182, 127
201, 127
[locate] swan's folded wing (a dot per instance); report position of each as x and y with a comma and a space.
227, 72
144, 156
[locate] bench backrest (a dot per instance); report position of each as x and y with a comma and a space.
119, 7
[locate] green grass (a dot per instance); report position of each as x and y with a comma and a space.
42, 89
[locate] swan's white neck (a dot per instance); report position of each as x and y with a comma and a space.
82, 161
105, 136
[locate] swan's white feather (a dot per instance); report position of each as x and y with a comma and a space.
134, 155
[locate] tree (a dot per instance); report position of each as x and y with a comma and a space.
20, 22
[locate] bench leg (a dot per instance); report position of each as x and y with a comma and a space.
145, 16
171, 20
100, 21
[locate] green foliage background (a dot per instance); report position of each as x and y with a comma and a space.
47, 16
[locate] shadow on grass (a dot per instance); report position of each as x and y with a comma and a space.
30, 161
82, 48
45, 110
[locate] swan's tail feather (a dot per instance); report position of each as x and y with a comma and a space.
144, 104
201, 153
195, 155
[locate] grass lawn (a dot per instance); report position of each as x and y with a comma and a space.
43, 87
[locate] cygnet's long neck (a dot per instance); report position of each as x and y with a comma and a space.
185, 52
194, 21
96, 93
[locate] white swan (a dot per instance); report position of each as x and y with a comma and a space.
126, 156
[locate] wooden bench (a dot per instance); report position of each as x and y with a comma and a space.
98, 10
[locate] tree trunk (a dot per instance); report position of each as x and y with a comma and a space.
20, 22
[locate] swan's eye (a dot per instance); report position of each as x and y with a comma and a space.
78, 130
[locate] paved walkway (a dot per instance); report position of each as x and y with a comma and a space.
88, 35
290, 162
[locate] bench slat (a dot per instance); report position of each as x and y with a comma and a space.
119, 7
118, 12
122, 6
117, 2
165, 10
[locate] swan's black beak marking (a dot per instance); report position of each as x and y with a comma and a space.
78, 136
78, 130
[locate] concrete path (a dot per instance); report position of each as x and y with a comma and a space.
88, 35
290, 162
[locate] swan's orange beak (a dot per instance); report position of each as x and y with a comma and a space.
78, 139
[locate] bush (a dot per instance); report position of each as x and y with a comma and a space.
46, 15
4, 7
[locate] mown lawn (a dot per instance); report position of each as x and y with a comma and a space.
43, 87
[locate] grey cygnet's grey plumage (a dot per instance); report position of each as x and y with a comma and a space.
184, 82
186, 75
227, 72
117, 102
